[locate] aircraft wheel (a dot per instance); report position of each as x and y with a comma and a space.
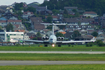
45, 45
59, 45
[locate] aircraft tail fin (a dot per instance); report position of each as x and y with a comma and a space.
93, 39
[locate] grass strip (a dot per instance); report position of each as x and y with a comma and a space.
52, 57
63, 48
56, 67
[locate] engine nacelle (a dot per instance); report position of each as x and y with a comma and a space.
45, 38
60, 38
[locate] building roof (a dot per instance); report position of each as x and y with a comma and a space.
19, 31
39, 26
36, 20
72, 20
3, 18
54, 16
63, 32
91, 12
28, 12
14, 21
85, 37
70, 7
2, 21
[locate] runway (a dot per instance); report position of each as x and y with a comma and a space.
57, 52
12, 63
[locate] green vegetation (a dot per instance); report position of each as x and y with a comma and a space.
76, 34
56, 67
9, 27
27, 25
18, 6
92, 5
31, 9
58, 34
38, 36
52, 57
49, 19
40, 47
95, 34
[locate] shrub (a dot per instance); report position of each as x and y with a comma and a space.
69, 45
99, 43
89, 45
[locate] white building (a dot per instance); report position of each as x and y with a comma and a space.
90, 14
13, 36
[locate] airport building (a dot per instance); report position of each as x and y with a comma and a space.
12, 36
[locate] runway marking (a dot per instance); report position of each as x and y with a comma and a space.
57, 52
11, 63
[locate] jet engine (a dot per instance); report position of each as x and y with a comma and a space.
45, 38
60, 38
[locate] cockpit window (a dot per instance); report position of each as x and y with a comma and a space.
51, 39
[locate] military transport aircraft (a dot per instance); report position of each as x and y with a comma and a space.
53, 39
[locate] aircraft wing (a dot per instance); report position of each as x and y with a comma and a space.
35, 41
79, 41
32, 40
66, 42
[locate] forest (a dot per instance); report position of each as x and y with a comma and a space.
97, 6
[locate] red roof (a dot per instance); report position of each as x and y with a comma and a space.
14, 21
63, 32
19, 30
54, 16
3, 21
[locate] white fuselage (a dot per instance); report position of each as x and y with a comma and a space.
52, 39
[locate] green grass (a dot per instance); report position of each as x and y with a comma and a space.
52, 57
63, 48
56, 67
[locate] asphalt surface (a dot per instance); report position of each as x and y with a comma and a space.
12, 63
63, 52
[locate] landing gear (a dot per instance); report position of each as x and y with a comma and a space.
59, 45
45, 45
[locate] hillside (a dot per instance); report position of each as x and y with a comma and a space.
90, 5
34, 4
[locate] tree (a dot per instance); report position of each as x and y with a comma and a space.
99, 43
59, 34
76, 34
62, 26
90, 5
27, 25
38, 34
89, 44
49, 27
74, 10
56, 11
9, 27
95, 34
19, 13
49, 19
31, 9
18, 6
65, 11
0, 27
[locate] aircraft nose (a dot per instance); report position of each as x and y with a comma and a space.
51, 41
